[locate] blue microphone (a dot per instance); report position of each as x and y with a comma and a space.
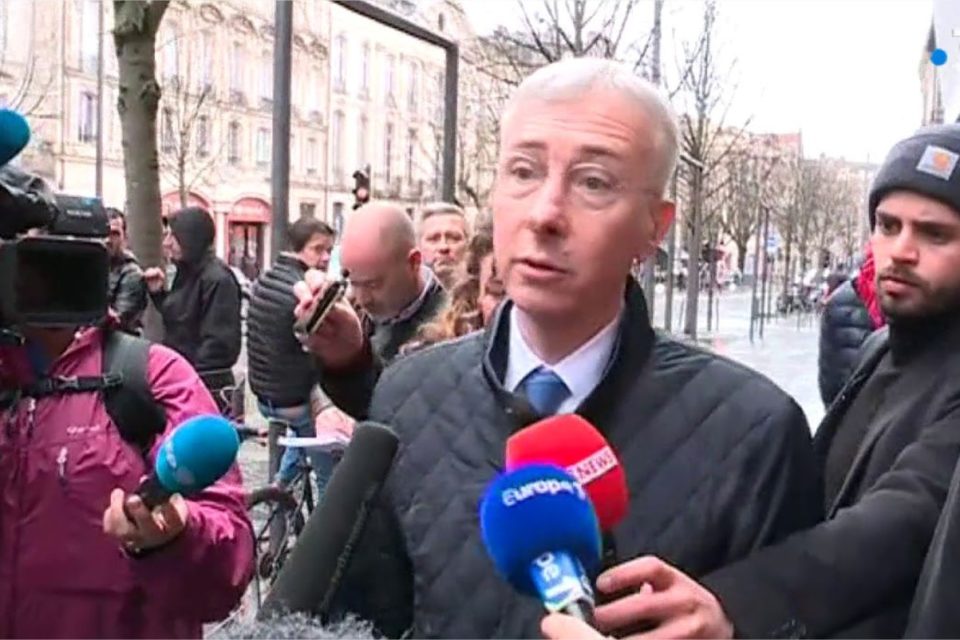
542, 533
193, 457
14, 135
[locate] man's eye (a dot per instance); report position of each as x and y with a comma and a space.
595, 183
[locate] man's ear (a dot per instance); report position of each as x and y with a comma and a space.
415, 259
663, 215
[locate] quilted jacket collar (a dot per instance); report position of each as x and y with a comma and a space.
635, 337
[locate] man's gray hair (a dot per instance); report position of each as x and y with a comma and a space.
574, 78
441, 209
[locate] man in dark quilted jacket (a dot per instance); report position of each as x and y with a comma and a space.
718, 459
851, 314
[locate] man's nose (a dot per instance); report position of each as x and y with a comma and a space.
904, 248
549, 208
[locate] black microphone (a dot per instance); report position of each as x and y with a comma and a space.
312, 572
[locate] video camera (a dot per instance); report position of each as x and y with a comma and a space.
54, 263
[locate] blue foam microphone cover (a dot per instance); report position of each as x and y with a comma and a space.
537, 521
14, 135
195, 455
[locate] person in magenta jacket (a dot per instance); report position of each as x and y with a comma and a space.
69, 566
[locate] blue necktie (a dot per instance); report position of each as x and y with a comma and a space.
545, 391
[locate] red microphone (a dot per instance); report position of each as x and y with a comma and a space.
570, 441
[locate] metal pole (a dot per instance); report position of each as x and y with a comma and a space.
650, 267
671, 257
280, 165
450, 96
98, 179
766, 263
756, 275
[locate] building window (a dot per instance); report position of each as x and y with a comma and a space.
339, 62
388, 79
438, 107
233, 143
4, 29
362, 141
441, 22
203, 136
315, 90
87, 117
311, 156
205, 78
236, 68
266, 78
413, 88
171, 54
336, 152
411, 151
89, 33
166, 131
263, 147
308, 210
365, 70
388, 154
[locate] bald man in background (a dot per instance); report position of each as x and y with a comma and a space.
395, 291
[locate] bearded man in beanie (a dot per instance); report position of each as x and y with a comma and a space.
201, 309
887, 447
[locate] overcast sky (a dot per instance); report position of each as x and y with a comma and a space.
844, 72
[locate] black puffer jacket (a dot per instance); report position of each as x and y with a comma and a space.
843, 328
718, 461
201, 312
279, 370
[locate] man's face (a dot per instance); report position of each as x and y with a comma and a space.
383, 280
575, 202
316, 253
117, 239
170, 246
443, 240
491, 289
916, 248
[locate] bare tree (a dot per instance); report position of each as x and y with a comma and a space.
706, 140
190, 153
30, 85
134, 35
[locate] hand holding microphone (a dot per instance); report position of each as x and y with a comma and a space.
197, 454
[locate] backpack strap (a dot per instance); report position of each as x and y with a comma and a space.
130, 403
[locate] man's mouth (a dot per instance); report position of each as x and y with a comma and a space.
542, 265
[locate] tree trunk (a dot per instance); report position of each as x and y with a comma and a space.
741, 255
135, 29
693, 250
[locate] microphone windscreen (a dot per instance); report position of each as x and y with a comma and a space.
571, 442
311, 574
534, 510
14, 135
196, 454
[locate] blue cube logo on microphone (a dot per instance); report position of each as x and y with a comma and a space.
542, 534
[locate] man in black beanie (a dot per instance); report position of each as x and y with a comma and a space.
201, 310
887, 447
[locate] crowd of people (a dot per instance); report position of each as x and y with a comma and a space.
740, 523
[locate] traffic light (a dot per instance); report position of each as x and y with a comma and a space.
361, 188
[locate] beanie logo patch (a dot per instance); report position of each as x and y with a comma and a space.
938, 162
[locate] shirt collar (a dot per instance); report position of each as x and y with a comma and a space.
581, 371
407, 312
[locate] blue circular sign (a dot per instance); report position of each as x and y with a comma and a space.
938, 57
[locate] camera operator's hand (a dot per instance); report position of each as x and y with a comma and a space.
338, 341
156, 278
148, 529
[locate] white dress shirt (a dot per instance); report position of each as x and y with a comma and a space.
580, 371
